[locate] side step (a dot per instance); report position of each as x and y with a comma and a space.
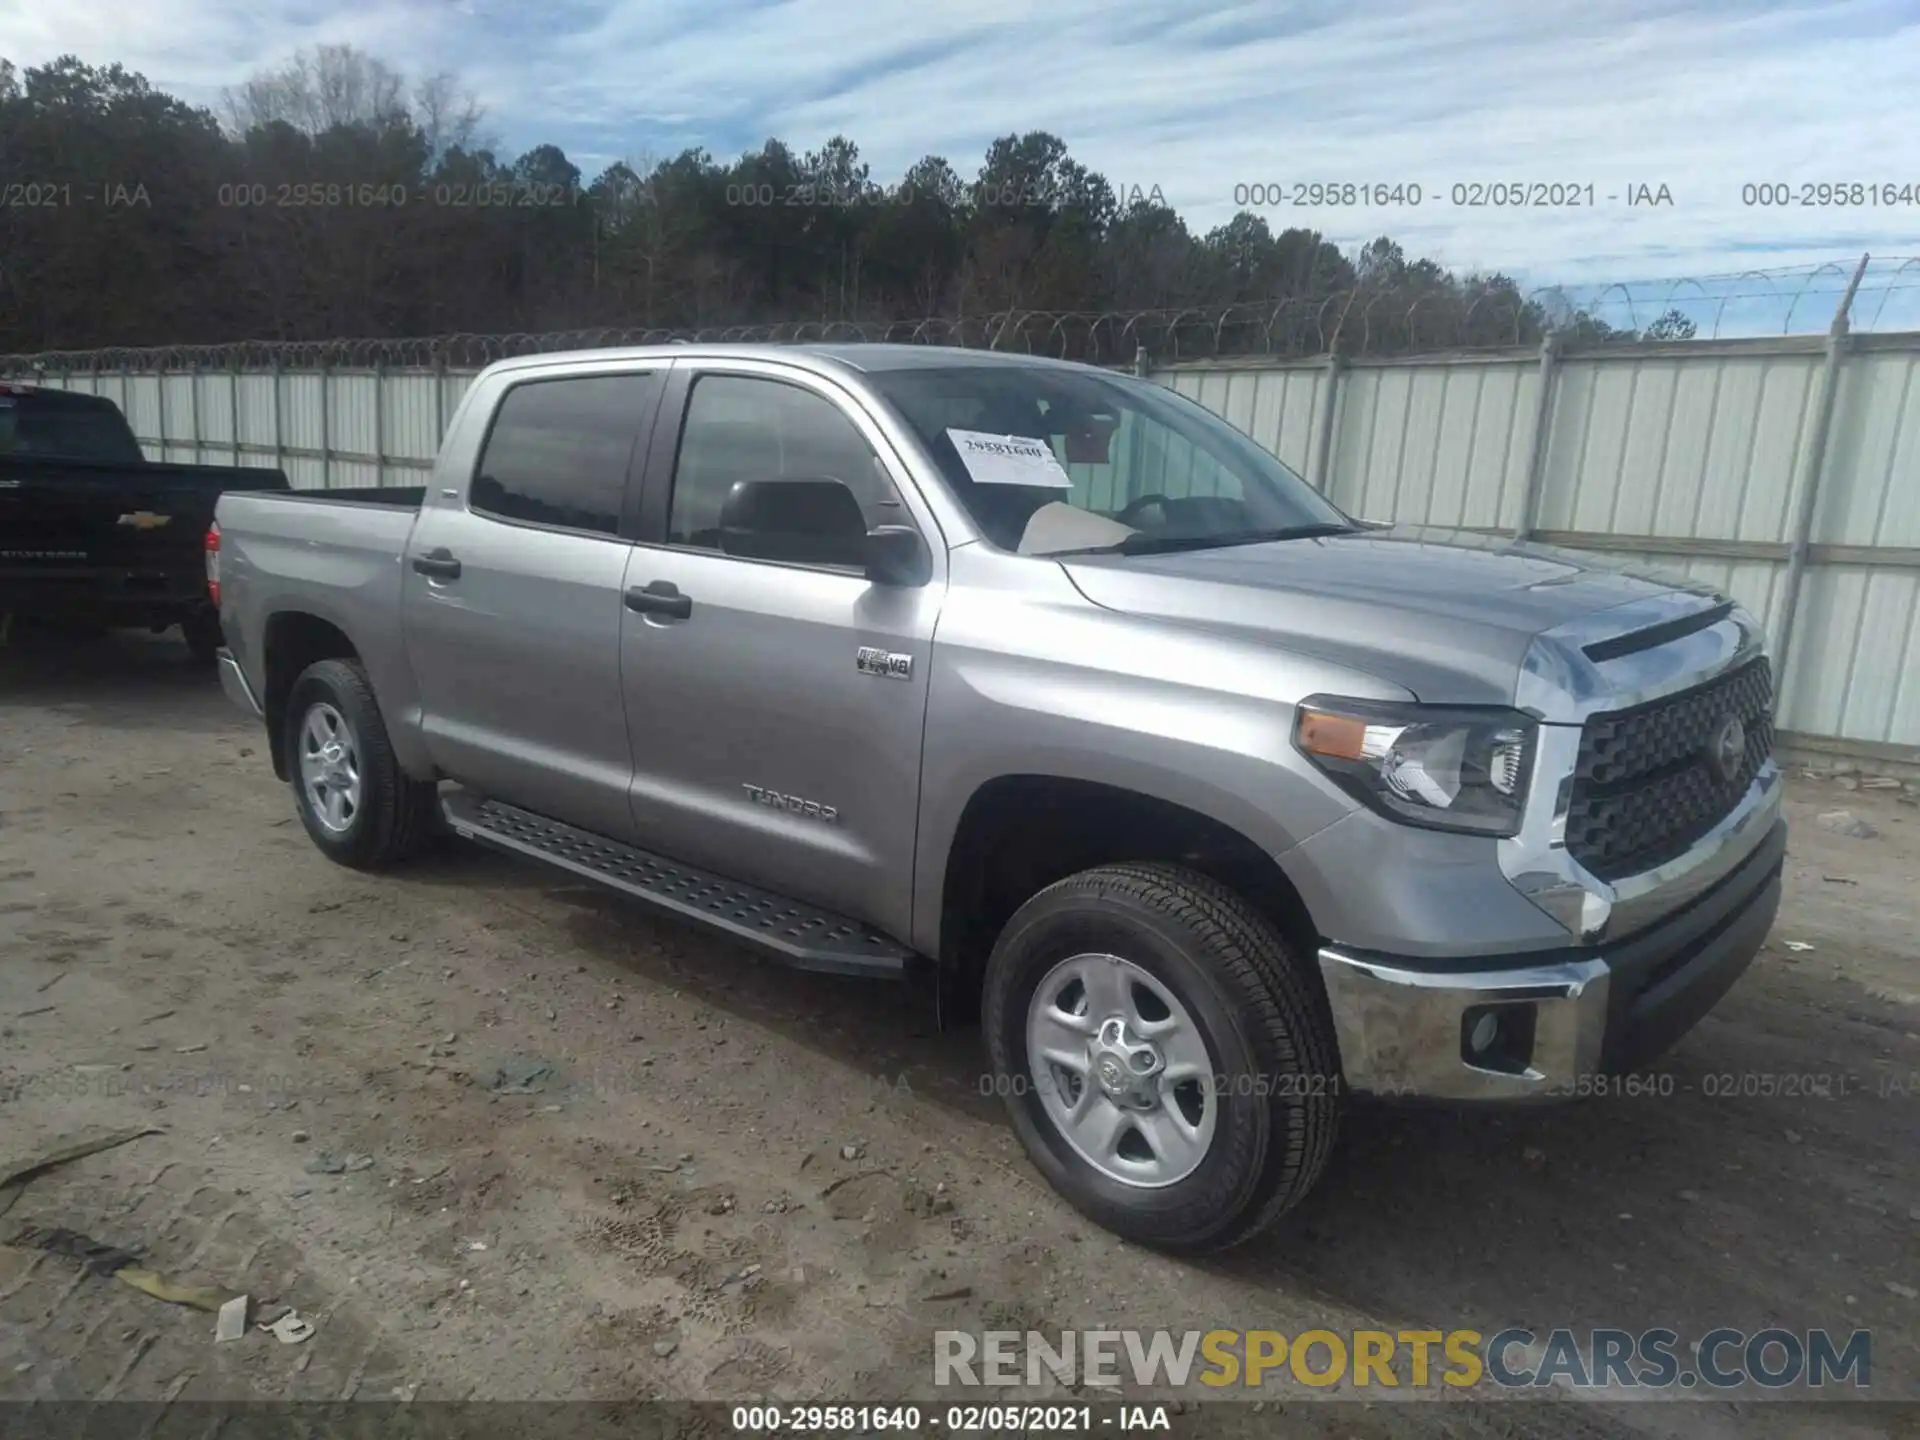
801, 934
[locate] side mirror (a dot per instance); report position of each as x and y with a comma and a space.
896, 555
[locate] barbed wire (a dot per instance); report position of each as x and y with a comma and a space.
1783, 301
1371, 319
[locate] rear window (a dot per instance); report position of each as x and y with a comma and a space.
559, 450
61, 427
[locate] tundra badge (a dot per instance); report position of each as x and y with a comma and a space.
793, 804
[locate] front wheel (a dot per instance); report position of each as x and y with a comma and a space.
356, 802
1166, 1060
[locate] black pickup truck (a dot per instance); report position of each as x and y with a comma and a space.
93, 535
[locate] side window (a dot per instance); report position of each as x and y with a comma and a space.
559, 449
813, 486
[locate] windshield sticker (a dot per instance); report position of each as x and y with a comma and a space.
1009, 460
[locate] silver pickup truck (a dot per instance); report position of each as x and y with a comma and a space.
1215, 806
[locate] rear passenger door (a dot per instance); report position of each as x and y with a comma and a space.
777, 716
513, 598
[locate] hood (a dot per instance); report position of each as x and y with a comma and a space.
1449, 614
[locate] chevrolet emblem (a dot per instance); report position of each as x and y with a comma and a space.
143, 520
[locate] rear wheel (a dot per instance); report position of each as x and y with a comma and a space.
1165, 1058
356, 802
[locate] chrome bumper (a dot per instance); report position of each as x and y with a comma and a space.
1400, 1031
1406, 1029
233, 680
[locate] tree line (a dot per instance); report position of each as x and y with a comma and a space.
334, 199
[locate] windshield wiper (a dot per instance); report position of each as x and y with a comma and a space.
1143, 544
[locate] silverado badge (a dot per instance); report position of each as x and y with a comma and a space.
143, 520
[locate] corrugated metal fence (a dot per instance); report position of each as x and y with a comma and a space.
1714, 458
328, 428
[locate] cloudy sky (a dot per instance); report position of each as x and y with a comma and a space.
1191, 97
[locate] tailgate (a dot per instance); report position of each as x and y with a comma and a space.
62, 516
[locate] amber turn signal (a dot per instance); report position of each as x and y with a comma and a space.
1338, 737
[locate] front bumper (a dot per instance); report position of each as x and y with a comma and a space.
233, 680
1406, 1027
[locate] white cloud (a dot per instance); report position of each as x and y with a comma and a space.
1193, 99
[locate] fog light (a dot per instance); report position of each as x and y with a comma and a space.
1498, 1037
1485, 1031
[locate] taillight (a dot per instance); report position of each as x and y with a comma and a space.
213, 563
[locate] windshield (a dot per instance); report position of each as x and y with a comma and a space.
1054, 461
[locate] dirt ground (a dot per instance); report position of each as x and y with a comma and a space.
742, 1181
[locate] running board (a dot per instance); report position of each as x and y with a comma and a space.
803, 935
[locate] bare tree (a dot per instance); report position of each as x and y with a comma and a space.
447, 114
321, 88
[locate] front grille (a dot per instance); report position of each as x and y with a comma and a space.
1647, 786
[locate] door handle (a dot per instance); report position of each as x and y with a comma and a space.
660, 597
439, 563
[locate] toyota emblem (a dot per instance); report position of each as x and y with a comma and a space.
1728, 752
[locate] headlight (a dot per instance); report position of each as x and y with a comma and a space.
1448, 768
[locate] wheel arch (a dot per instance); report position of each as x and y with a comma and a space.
1019, 833
291, 641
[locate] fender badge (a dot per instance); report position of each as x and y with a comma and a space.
869, 660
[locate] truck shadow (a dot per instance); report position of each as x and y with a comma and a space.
1681, 1204
886, 1033
118, 675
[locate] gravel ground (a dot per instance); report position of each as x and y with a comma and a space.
733, 1180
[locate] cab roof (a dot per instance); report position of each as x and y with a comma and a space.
865, 357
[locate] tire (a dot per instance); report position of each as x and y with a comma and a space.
1208, 961
392, 816
202, 634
